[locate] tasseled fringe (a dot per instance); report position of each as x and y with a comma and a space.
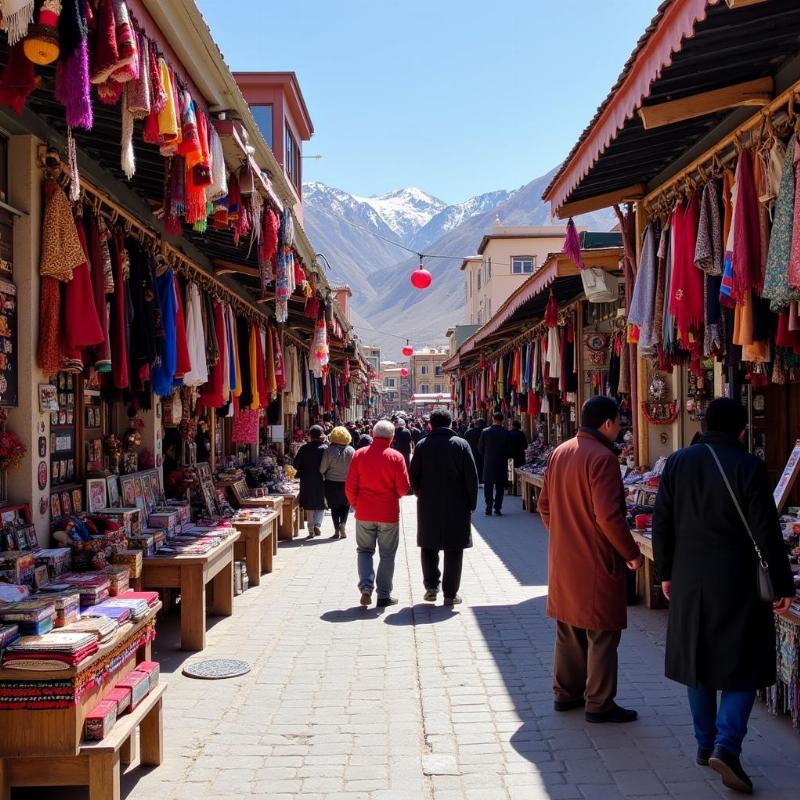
127, 156
74, 175
16, 23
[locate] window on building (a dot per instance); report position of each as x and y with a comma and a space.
489, 269
390, 382
523, 265
438, 370
437, 388
479, 280
423, 370
263, 118
292, 159
423, 388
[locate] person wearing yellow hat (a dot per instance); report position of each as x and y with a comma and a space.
334, 468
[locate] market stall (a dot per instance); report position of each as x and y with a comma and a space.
695, 147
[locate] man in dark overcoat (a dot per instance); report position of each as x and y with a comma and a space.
473, 435
312, 484
720, 636
495, 449
444, 478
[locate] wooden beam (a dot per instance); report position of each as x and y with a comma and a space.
223, 267
629, 193
750, 93
743, 3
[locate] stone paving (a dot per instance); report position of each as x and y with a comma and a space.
419, 701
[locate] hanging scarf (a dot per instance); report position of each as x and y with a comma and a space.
281, 277
270, 372
268, 245
73, 88
17, 17
686, 293
642, 310
708, 251
197, 375
61, 253
163, 372
102, 353
174, 194
168, 116
18, 80
201, 172
244, 385
127, 66
747, 234
218, 188
277, 352
211, 394
214, 347
183, 363
120, 318
572, 245
261, 368
106, 53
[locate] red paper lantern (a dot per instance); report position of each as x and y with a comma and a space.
404, 372
408, 351
421, 278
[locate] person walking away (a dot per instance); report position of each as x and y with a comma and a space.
334, 468
378, 478
582, 505
364, 439
445, 480
312, 486
473, 436
493, 445
518, 445
403, 440
720, 635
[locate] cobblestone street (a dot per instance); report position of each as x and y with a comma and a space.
417, 701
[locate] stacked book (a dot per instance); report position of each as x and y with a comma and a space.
8, 633
94, 587
137, 608
67, 603
103, 628
58, 650
34, 617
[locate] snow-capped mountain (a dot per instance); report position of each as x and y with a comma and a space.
404, 211
451, 217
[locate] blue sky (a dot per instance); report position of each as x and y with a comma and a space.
457, 97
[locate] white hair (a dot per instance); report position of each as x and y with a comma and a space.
383, 430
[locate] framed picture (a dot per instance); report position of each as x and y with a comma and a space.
55, 505
56, 476
96, 494
77, 501
62, 417
70, 468
66, 504
112, 482
48, 397
20, 540
69, 416
31, 537
155, 484
150, 498
128, 491
53, 418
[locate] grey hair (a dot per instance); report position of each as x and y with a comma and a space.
383, 430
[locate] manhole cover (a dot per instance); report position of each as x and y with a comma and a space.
214, 669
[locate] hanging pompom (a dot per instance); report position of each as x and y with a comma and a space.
41, 46
572, 245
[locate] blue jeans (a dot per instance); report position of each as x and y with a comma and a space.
726, 726
386, 535
314, 518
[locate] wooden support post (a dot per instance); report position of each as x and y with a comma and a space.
151, 733
104, 776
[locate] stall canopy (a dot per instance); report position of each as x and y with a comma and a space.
700, 69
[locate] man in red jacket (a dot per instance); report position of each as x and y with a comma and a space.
378, 478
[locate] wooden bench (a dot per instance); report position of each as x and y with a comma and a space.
258, 538
530, 485
97, 764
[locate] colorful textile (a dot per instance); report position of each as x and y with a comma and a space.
642, 311
686, 290
708, 251
747, 233
163, 371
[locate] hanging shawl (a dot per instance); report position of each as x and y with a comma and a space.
218, 188
189, 146
225, 350
213, 344
572, 245
212, 392
201, 172
686, 291
268, 245
106, 52
642, 311
163, 372
183, 364
120, 317
261, 368
17, 17
272, 385
168, 127
102, 353
244, 383
500, 383
174, 194
708, 251
197, 375
18, 80
135, 105
61, 247
73, 88
776, 281
252, 347
553, 351
668, 326
127, 66
320, 355
281, 277
277, 357
747, 234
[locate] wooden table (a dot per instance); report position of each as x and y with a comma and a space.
191, 574
59, 731
256, 544
647, 587
530, 486
290, 515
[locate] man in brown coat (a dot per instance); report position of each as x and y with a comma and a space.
582, 505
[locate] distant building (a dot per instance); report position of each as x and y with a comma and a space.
506, 258
343, 295
457, 335
282, 116
427, 376
396, 387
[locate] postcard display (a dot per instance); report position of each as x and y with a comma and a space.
8, 315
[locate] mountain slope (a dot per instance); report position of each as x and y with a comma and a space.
404, 211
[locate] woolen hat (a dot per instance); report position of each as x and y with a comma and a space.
340, 435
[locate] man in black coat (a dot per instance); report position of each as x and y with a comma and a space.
518, 443
403, 441
494, 447
444, 478
473, 436
312, 485
720, 635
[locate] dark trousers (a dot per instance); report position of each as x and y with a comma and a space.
585, 665
726, 725
339, 515
453, 561
493, 493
